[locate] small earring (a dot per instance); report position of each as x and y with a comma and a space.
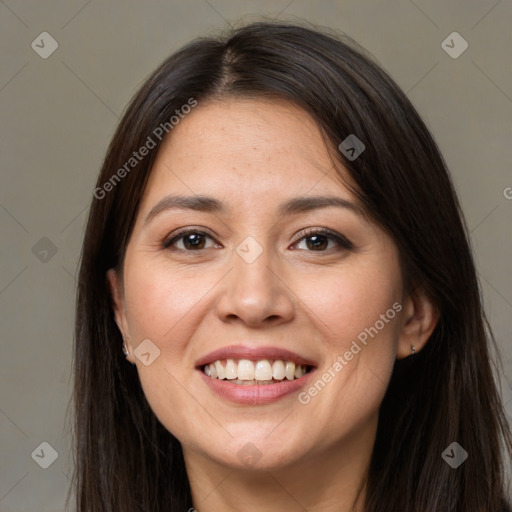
125, 349
413, 349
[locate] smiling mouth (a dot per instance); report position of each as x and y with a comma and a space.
246, 372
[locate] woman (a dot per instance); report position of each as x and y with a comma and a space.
276, 249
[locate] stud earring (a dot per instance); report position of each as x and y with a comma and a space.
413, 349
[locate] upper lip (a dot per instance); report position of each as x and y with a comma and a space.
254, 354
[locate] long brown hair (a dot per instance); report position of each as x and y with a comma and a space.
125, 459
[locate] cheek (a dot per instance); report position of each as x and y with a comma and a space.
354, 312
159, 300
347, 303
161, 306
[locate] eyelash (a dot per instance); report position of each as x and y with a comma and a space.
341, 240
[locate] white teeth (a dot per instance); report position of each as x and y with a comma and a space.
278, 370
245, 369
261, 371
231, 369
289, 370
220, 370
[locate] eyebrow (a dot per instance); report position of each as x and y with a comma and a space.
211, 205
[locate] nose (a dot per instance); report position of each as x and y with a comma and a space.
254, 294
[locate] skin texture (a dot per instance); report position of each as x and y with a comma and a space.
253, 155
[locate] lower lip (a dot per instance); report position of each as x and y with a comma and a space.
255, 394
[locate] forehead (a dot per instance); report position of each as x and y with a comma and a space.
245, 150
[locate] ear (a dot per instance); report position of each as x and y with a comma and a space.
419, 319
116, 292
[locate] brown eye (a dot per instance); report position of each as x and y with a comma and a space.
318, 240
191, 240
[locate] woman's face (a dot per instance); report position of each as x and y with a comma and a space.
255, 280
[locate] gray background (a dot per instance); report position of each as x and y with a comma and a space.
59, 113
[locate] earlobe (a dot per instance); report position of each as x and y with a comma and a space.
420, 317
